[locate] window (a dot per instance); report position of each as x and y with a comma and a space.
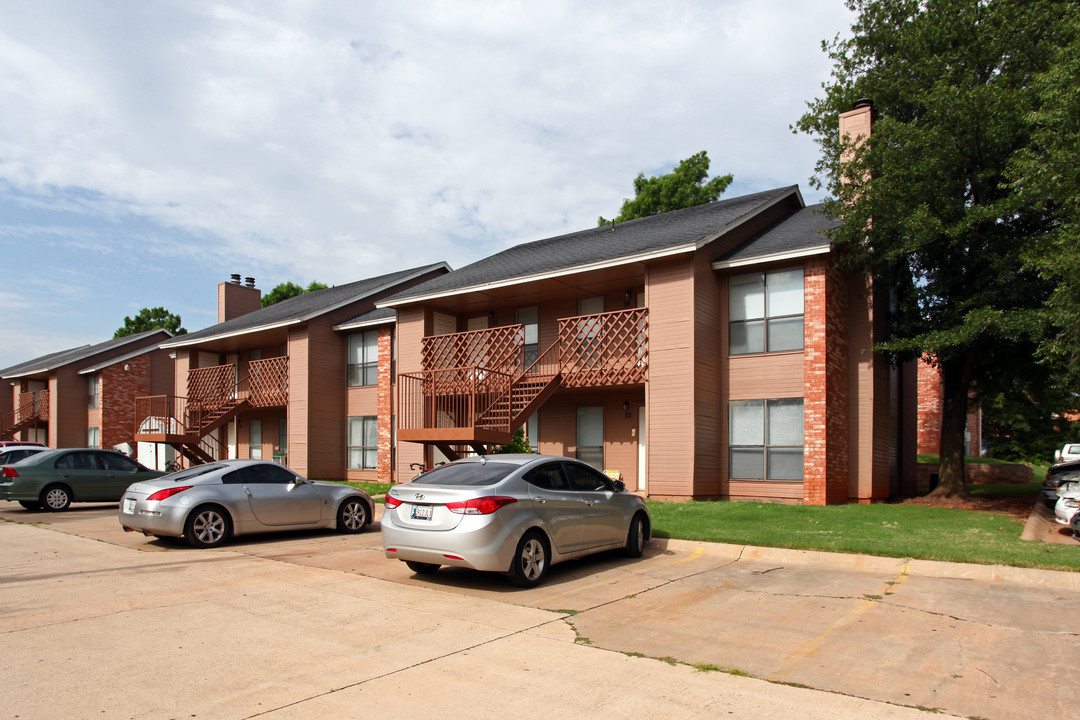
363, 443
590, 436
586, 479
530, 318
94, 380
766, 439
547, 477
532, 432
93, 437
255, 440
364, 359
766, 312
254, 354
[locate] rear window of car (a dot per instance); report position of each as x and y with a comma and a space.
1072, 450
193, 472
472, 474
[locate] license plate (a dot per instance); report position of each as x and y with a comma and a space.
129, 505
421, 512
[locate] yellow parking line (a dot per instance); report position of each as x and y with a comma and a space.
698, 552
811, 647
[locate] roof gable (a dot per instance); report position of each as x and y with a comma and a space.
801, 233
46, 363
631, 241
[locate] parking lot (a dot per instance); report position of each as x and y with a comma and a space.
102, 623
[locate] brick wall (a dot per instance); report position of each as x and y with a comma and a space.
929, 410
386, 408
825, 405
119, 388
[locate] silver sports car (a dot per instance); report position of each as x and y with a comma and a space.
206, 504
516, 514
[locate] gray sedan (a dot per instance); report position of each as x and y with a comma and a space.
207, 504
517, 514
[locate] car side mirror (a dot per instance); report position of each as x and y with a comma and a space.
620, 486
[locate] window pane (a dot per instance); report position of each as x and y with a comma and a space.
746, 424
786, 334
590, 427
371, 347
356, 349
371, 459
371, 374
785, 463
371, 432
785, 422
746, 297
785, 292
355, 458
747, 463
355, 375
747, 337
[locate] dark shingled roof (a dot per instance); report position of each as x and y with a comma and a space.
305, 306
67, 357
634, 237
799, 231
370, 316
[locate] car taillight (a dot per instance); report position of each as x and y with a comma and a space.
390, 502
480, 506
167, 493
10, 472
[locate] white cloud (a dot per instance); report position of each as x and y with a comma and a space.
334, 140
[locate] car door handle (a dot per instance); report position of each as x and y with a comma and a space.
247, 491
541, 500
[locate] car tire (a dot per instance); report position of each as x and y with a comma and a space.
531, 560
422, 568
32, 506
635, 539
207, 527
55, 498
353, 515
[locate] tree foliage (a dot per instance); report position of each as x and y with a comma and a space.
518, 444
289, 289
1047, 175
149, 319
925, 202
683, 187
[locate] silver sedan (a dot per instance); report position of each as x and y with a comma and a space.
517, 514
207, 504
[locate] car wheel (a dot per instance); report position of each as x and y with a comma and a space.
422, 568
34, 506
352, 516
55, 498
635, 539
207, 527
531, 560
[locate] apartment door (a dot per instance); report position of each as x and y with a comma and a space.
230, 443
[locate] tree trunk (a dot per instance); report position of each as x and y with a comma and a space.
956, 385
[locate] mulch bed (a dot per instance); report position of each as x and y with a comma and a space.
1017, 507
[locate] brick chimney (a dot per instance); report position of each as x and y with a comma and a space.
234, 299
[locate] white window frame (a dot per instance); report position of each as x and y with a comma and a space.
771, 441
368, 454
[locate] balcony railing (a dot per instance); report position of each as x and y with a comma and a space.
32, 408
604, 349
269, 382
497, 348
450, 397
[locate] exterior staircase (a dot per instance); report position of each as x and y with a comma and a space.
527, 393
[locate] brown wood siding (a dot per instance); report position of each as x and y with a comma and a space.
298, 401
68, 400
361, 401
709, 442
750, 490
326, 399
768, 376
411, 328
670, 391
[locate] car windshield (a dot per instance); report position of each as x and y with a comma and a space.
471, 473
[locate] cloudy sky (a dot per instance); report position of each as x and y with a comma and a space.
150, 149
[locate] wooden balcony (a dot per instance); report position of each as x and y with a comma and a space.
33, 408
476, 390
215, 396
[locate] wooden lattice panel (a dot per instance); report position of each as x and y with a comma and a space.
605, 349
211, 386
495, 348
269, 382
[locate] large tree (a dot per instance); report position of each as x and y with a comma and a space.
1047, 175
289, 289
925, 202
149, 319
683, 187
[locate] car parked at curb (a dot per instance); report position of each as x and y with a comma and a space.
1071, 451
207, 504
1068, 502
515, 514
54, 479
1056, 475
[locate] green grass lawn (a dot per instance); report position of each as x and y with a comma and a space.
370, 488
889, 530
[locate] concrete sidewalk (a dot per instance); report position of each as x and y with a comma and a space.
93, 630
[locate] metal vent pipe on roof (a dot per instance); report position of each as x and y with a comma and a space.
235, 278
250, 282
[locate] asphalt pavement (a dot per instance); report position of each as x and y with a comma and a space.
105, 624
